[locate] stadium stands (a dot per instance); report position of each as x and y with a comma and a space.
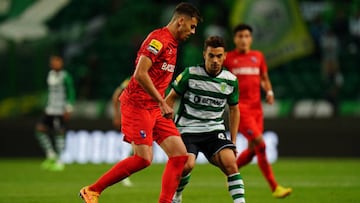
106, 57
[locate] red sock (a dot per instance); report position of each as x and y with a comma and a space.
119, 171
264, 165
245, 157
171, 177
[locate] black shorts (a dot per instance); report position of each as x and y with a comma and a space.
208, 143
53, 122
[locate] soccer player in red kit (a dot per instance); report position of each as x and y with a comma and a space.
146, 117
251, 70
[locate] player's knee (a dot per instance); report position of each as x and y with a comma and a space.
40, 128
142, 161
61, 132
260, 147
230, 168
189, 166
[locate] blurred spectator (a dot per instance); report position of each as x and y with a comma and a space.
354, 26
317, 29
341, 23
333, 78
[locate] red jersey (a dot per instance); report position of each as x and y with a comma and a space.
161, 47
248, 68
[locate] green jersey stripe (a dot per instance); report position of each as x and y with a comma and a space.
203, 99
210, 86
202, 120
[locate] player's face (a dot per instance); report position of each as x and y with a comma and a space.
214, 58
187, 27
243, 40
56, 63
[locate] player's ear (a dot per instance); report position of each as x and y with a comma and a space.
181, 20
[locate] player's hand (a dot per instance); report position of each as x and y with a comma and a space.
166, 110
235, 150
67, 116
270, 97
117, 122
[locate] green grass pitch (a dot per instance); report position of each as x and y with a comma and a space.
312, 180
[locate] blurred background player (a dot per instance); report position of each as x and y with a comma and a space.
117, 116
116, 103
60, 100
251, 70
145, 116
204, 91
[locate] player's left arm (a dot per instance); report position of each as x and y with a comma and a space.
178, 88
234, 112
172, 97
267, 87
234, 119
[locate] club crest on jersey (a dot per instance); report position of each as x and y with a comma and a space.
154, 46
223, 87
142, 133
253, 59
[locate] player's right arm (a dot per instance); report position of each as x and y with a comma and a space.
141, 75
234, 120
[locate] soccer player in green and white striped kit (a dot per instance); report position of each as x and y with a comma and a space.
60, 100
204, 91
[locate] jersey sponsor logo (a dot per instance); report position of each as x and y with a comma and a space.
168, 67
208, 101
246, 71
169, 50
154, 46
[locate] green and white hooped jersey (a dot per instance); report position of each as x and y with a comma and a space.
204, 98
61, 93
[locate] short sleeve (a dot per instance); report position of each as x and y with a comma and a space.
152, 47
234, 96
263, 66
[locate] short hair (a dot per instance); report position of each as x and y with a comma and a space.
214, 41
241, 27
189, 10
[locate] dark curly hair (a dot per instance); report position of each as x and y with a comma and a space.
214, 41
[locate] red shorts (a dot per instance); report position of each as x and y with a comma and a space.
251, 123
143, 126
